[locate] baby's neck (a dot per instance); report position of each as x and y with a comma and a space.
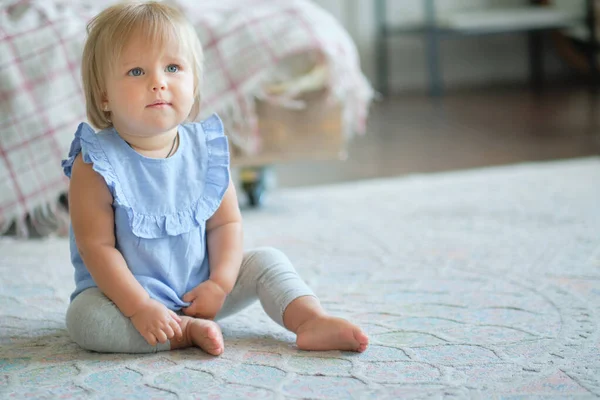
158, 146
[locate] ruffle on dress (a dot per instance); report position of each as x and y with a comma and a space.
190, 216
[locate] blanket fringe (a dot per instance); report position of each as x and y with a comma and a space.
44, 220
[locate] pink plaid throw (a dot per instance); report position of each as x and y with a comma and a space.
247, 44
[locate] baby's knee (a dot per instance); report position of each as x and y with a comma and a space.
268, 257
87, 322
265, 262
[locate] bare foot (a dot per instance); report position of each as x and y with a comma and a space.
202, 333
330, 333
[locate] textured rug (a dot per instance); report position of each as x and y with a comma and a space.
482, 283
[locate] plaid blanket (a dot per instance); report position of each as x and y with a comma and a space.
248, 44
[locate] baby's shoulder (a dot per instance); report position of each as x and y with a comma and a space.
82, 171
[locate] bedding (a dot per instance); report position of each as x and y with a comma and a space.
254, 50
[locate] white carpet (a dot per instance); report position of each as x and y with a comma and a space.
479, 283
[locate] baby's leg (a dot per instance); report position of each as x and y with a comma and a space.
268, 274
95, 323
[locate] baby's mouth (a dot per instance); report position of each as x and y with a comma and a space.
159, 104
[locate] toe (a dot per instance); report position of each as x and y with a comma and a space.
360, 336
211, 332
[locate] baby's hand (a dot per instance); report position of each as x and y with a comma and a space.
207, 299
156, 323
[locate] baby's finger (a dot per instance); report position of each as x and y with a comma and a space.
189, 297
160, 336
190, 311
177, 330
168, 331
175, 316
150, 338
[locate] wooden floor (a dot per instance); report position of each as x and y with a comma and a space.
414, 134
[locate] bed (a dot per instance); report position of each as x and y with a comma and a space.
284, 76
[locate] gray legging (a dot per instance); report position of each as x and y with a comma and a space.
95, 323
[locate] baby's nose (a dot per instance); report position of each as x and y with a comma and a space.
158, 83
158, 86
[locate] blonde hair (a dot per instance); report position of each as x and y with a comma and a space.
109, 32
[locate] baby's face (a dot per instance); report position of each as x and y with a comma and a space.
150, 90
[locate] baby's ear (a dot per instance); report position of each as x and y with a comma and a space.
104, 103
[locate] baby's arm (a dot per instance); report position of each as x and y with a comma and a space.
224, 241
92, 218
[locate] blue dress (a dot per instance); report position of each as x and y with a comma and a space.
161, 205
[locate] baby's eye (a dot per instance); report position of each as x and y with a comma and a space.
135, 72
172, 68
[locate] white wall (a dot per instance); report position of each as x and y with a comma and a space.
465, 61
